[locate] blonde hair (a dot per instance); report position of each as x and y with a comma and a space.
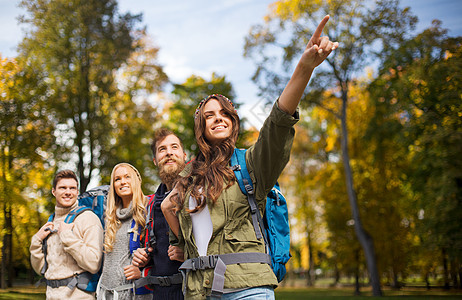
112, 222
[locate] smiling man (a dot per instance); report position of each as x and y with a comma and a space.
162, 260
73, 251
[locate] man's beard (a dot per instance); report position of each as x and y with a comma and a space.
169, 173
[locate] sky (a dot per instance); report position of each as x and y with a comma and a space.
204, 36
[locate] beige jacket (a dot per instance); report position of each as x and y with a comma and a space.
69, 253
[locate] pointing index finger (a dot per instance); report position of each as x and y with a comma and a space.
318, 31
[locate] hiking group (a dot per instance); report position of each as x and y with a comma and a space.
216, 227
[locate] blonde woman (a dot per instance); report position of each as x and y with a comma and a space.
124, 219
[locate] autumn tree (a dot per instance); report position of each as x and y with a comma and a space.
135, 115
25, 136
378, 165
78, 46
357, 27
300, 182
315, 160
418, 106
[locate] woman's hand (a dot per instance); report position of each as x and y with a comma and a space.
131, 272
316, 51
175, 253
318, 48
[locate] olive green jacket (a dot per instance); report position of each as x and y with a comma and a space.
232, 224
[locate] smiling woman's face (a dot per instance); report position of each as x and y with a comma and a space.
218, 124
123, 183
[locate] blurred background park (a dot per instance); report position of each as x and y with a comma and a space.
374, 183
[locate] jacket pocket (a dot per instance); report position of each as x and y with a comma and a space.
240, 237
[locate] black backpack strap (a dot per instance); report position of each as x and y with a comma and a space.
45, 251
45, 245
159, 280
150, 239
70, 282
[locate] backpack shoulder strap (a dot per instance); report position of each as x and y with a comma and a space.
45, 248
134, 239
150, 197
51, 217
150, 238
239, 167
75, 213
69, 219
149, 206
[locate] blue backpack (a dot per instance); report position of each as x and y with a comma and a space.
134, 244
94, 200
275, 222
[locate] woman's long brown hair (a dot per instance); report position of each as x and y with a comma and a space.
209, 171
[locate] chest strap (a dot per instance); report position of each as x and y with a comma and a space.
218, 263
159, 280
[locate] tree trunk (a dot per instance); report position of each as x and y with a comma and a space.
427, 281
364, 238
337, 275
310, 275
4, 257
445, 269
396, 285
7, 262
455, 281
7, 251
8, 244
357, 285
460, 276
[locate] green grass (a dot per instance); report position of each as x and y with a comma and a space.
348, 293
23, 293
286, 293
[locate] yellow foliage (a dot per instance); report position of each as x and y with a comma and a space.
447, 55
331, 140
305, 256
293, 10
418, 112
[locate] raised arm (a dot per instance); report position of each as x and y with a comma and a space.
316, 51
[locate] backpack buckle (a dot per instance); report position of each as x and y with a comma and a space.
204, 262
51, 230
236, 168
164, 281
212, 261
248, 187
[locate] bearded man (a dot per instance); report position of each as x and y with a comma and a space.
162, 260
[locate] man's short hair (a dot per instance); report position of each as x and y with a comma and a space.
159, 136
64, 174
